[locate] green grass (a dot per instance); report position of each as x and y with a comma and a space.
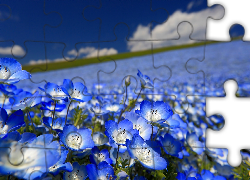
86, 61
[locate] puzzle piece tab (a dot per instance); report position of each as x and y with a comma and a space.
235, 112
218, 30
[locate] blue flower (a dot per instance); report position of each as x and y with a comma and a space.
103, 171
155, 111
98, 156
79, 172
61, 165
76, 139
28, 154
194, 143
9, 89
139, 123
77, 91
25, 99
58, 123
14, 122
113, 107
207, 175
99, 109
124, 157
99, 138
11, 71
52, 106
170, 145
146, 82
54, 91
143, 152
119, 133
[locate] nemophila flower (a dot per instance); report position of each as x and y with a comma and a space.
99, 109
141, 124
9, 89
145, 154
102, 171
25, 100
170, 145
98, 156
54, 91
100, 139
79, 172
122, 175
113, 107
155, 111
11, 123
207, 175
146, 82
194, 143
76, 139
124, 157
11, 71
174, 122
58, 123
20, 156
119, 133
181, 176
76, 91
52, 106
61, 165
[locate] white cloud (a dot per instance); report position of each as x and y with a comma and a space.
168, 30
93, 52
17, 50
43, 61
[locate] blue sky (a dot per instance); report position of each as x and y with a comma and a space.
75, 26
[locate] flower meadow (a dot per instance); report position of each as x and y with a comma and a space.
70, 131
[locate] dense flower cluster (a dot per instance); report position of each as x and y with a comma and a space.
68, 132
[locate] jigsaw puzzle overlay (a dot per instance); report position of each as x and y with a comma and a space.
114, 89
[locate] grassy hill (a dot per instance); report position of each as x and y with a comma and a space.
86, 61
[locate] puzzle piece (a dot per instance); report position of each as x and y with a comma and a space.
218, 30
115, 11
157, 73
195, 12
81, 30
186, 83
233, 54
30, 18
229, 107
154, 144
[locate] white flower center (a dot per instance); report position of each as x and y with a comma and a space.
121, 136
74, 175
138, 127
4, 72
74, 140
53, 168
113, 108
3, 129
153, 115
75, 93
100, 157
144, 155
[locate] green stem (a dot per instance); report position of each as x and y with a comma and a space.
67, 112
53, 114
117, 154
136, 99
127, 108
152, 132
28, 114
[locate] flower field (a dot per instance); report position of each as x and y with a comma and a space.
68, 130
